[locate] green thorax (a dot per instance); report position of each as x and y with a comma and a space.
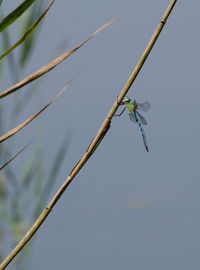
130, 106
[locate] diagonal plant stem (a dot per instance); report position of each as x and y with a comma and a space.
94, 144
30, 119
13, 157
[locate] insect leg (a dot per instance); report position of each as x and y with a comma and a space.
120, 112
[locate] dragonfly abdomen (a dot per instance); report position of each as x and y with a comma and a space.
142, 131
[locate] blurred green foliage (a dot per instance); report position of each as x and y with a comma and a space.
23, 190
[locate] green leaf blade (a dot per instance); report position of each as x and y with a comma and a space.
15, 14
28, 32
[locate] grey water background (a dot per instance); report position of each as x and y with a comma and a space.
126, 209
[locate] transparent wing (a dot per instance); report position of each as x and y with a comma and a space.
142, 119
144, 106
132, 117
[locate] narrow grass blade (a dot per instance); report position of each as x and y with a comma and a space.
22, 125
28, 32
13, 157
52, 175
55, 167
15, 14
52, 64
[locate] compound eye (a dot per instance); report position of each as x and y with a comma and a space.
126, 99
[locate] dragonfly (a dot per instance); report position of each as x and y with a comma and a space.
135, 116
